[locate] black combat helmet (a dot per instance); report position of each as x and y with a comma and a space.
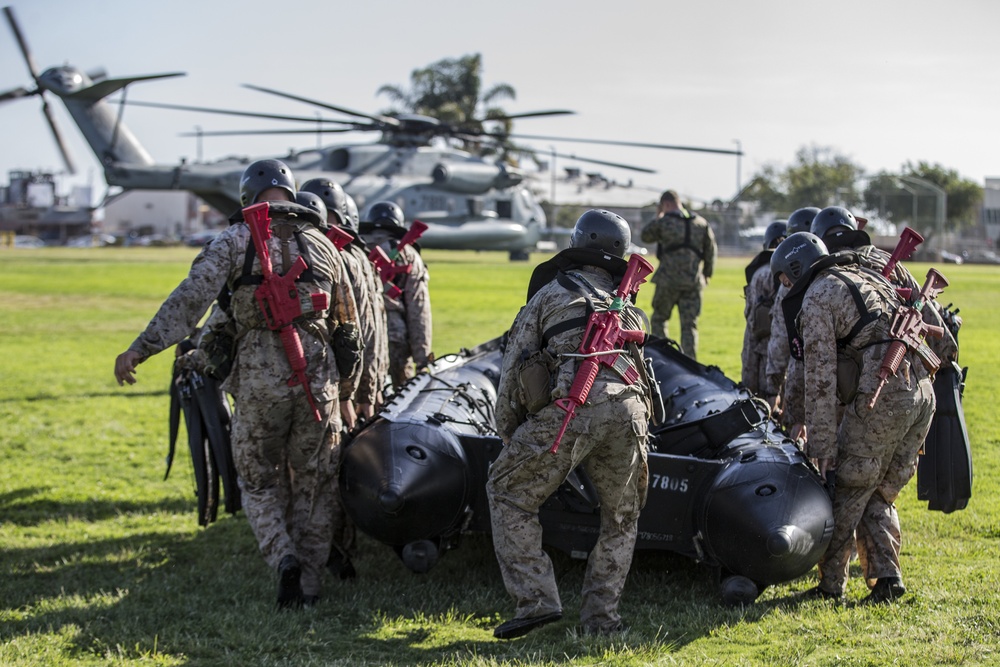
264, 174
833, 222
333, 197
775, 234
801, 220
313, 202
385, 213
352, 216
602, 230
796, 254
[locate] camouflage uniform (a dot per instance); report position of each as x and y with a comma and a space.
409, 316
607, 436
284, 462
783, 373
759, 292
372, 327
686, 250
875, 450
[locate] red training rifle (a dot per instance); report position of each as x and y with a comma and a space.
279, 300
907, 331
601, 344
385, 262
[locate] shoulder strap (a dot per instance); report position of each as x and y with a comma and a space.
249, 278
685, 244
867, 316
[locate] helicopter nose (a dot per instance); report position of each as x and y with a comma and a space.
390, 500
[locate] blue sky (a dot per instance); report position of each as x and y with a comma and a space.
880, 82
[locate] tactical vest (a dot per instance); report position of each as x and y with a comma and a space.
662, 251
850, 353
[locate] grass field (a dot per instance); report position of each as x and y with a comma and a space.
102, 561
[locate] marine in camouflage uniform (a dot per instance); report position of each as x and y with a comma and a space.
759, 294
374, 365
408, 316
874, 451
284, 462
367, 290
686, 250
607, 437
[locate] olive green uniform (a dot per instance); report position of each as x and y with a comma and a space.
686, 250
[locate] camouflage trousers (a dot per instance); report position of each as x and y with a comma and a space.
754, 365
401, 366
876, 457
286, 465
687, 300
526, 474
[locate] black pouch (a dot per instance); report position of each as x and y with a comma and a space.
347, 346
534, 380
760, 319
849, 361
219, 346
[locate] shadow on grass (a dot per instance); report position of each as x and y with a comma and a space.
30, 507
48, 396
205, 596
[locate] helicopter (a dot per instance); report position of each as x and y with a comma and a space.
468, 200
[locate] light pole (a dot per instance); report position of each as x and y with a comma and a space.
739, 156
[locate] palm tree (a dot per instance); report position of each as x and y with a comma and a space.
450, 90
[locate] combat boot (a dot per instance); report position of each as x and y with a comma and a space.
518, 627
886, 589
289, 587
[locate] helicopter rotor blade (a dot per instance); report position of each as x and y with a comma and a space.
530, 114
385, 120
630, 167
232, 112
15, 93
236, 133
21, 42
59, 140
40, 91
634, 144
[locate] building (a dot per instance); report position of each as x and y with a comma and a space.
31, 206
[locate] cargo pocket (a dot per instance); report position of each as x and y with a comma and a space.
640, 427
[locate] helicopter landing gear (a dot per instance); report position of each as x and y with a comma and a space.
519, 255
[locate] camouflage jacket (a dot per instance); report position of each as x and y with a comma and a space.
409, 316
554, 304
778, 352
685, 248
829, 314
367, 290
261, 369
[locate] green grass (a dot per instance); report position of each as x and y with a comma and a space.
102, 561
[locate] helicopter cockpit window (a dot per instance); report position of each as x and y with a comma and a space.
505, 209
475, 205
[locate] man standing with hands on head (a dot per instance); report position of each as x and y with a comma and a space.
685, 246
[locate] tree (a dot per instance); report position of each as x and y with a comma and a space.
451, 91
820, 177
914, 203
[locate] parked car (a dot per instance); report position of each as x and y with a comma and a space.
26, 241
950, 257
198, 239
